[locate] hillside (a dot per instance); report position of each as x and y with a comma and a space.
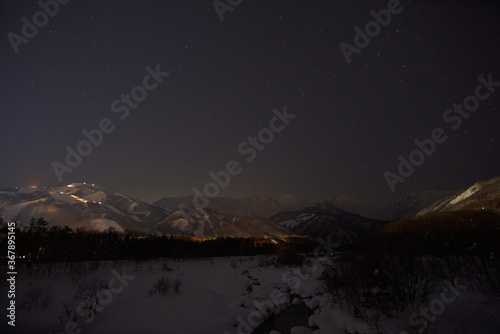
327, 221
80, 205
219, 225
255, 206
405, 206
482, 195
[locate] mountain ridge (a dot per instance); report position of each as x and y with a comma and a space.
329, 222
90, 206
484, 194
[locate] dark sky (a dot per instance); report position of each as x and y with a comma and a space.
353, 120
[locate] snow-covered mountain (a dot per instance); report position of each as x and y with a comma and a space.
96, 208
404, 206
265, 206
256, 206
327, 221
482, 195
470, 215
80, 205
214, 224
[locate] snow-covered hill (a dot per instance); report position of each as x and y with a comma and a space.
327, 221
404, 206
231, 295
468, 217
265, 206
256, 206
482, 195
97, 208
214, 224
80, 205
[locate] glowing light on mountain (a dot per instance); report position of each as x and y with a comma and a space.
79, 199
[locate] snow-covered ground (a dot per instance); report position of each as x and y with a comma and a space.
225, 295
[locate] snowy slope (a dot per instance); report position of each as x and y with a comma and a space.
219, 225
405, 206
482, 195
328, 221
96, 208
80, 205
256, 206
221, 298
265, 207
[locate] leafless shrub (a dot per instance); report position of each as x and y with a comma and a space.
36, 298
78, 272
93, 266
266, 261
164, 266
162, 286
89, 295
177, 284
68, 313
46, 269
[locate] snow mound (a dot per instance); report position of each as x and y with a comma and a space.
102, 224
98, 196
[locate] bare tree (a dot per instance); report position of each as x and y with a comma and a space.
37, 298
68, 313
162, 286
177, 284
89, 295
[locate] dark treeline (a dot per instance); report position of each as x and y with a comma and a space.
437, 243
481, 242
40, 243
441, 234
409, 260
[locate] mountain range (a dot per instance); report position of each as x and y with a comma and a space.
405, 206
470, 209
213, 224
255, 206
482, 195
82, 205
266, 207
343, 219
329, 222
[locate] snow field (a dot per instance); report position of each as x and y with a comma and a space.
228, 295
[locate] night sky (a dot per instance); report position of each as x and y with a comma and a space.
226, 77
